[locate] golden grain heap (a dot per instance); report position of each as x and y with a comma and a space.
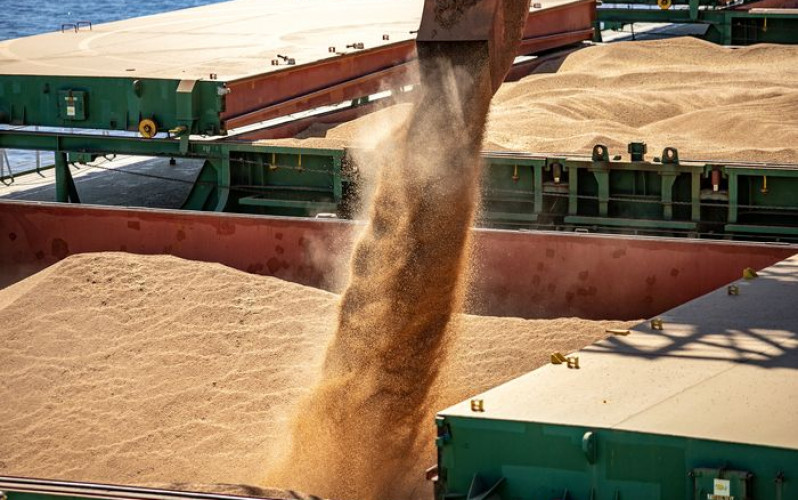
150, 370
708, 101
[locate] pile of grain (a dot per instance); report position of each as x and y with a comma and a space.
708, 101
140, 370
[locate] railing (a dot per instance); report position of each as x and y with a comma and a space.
76, 26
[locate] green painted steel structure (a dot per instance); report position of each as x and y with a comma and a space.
696, 404
500, 459
236, 175
601, 192
725, 25
662, 195
105, 103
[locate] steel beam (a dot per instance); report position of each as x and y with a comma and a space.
323, 83
65, 190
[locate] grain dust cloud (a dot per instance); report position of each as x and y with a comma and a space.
353, 435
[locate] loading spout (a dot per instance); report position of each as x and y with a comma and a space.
498, 22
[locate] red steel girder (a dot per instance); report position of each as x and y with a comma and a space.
331, 81
251, 95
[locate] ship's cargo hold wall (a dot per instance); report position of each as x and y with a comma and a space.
517, 273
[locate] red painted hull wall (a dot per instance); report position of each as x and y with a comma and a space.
516, 273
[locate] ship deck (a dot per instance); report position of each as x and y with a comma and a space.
232, 40
724, 368
239, 44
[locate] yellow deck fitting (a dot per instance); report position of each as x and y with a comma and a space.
147, 128
557, 358
733, 290
656, 324
273, 164
617, 331
573, 362
477, 405
749, 273
180, 130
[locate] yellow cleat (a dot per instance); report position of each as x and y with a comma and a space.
749, 273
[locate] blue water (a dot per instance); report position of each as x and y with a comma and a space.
20, 18
30, 17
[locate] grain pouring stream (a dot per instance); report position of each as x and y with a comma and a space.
353, 434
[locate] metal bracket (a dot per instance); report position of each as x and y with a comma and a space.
444, 432
637, 150
779, 485
185, 104
589, 447
478, 491
670, 156
601, 153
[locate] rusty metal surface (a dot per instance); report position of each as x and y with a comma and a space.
558, 18
555, 23
499, 23
327, 83
526, 274
558, 25
322, 83
593, 276
293, 127
459, 20
724, 367
548, 42
35, 235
